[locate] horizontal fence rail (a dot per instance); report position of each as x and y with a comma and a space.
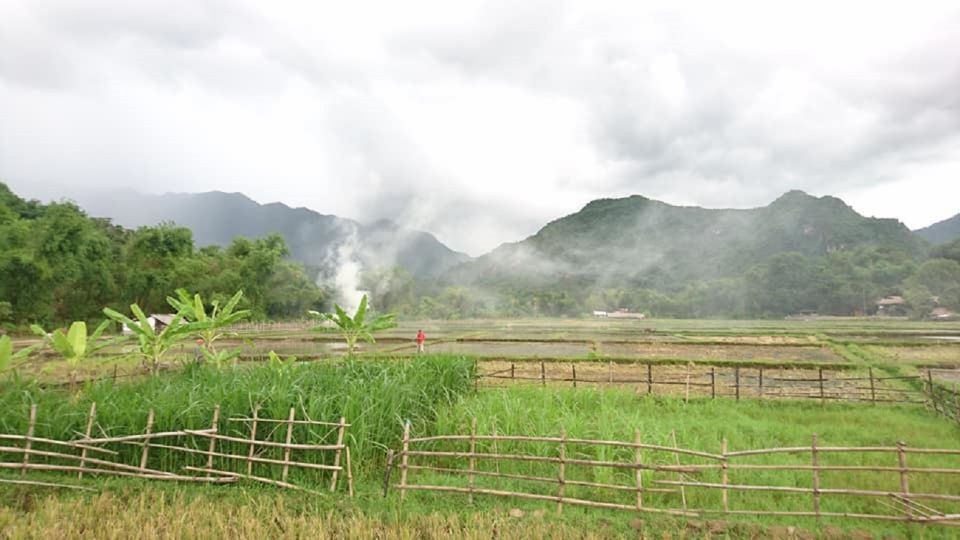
815, 481
189, 455
697, 380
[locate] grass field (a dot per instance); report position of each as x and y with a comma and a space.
387, 385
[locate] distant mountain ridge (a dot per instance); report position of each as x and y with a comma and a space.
643, 242
318, 240
942, 232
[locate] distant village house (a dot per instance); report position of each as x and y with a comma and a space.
157, 321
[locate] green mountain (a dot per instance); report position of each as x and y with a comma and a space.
317, 240
942, 232
639, 242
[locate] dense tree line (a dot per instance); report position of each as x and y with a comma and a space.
843, 282
57, 265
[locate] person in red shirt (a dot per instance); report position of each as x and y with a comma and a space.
421, 337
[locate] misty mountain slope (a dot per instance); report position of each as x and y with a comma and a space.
942, 232
315, 239
639, 241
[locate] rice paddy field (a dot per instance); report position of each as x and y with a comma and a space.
386, 386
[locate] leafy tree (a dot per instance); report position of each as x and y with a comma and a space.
154, 345
357, 328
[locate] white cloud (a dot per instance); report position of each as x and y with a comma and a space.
481, 121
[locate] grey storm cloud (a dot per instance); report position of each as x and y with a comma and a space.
481, 121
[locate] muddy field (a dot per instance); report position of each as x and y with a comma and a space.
697, 380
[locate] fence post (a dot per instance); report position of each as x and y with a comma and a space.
686, 395
146, 442
213, 441
760, 391
713, 383
91, 418
820, 381
473, 457
724, 468
736, 381
286, 448
561, 489
610, 372
904, 481
336, 456
649, 378
543, 374
574, 367
513, 375
676, 455
933, 395
29, 440
873, 390
496, 461
956, 401
386, 473
253, 438
403, 460
638, 459
349, 473
816, 476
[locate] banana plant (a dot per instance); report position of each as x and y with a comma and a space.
193, 310
280, 365
74, 345
356, 327
154, 345
8, 357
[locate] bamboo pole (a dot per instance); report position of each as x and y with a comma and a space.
760, 384
44, 484
386, 473
206, 433
547, 459
60, 455
574, 368
316, 466
543, 374
873, 390
91, 418
933, 395
820, 382
276, 421
683, 493
496, 462
336, 456
686, 396
610, 372
473, 459
598, 442
513, 374
234, 476
286, 448
904, 479
816, 475
88, 470
736, 376
726, 479
213, 440
138, 437
28, 444
403, 460
638, 461
146, 442
253, 438
562, 470
649, 379
823, 491
713, 383
549, 480
349, 472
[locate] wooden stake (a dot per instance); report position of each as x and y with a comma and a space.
649, 378
820, 381
683, 493
513, 375
713, 383
562, 470
146, 442
725, 475
638, 461
253, 438
286, 449
496, 462
29, 440
336, 456
610, 373
543, 375
574, 367
403, 460
213, 441
91, 418
686, 397
816, 476
904, 480
473, 459
873, 391
349, 473
386, 473
736, 375
933, 396
760, 384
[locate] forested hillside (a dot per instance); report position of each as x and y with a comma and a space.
57, 264
942, 232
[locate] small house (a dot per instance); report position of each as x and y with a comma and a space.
891, 306
157, 321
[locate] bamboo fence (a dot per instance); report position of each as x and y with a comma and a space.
736, 382
667, 479
184, 450
941, 387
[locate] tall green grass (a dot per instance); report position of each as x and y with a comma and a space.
375, 395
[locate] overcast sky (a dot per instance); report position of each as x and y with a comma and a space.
481, 121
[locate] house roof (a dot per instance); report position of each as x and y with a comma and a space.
891, 301
165, 318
